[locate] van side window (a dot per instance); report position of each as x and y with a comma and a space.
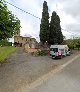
61, 49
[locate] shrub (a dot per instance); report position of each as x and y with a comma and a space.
5, 43
42, 52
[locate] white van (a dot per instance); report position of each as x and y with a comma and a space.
57, 51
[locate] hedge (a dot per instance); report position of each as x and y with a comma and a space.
5, 43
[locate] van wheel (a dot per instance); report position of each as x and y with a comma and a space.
53, 57
61, 57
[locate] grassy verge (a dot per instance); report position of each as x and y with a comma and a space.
5, 52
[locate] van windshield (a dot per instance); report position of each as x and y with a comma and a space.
54, 49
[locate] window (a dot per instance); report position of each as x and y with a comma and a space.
61, 49
30, 39
22, 38
54, 49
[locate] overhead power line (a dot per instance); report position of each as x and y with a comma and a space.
72, 33
22, 10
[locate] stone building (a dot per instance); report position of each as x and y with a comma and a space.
24, 41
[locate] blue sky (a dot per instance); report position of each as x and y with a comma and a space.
67, 11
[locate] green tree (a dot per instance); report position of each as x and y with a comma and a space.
9, 24
55, 36
44, 26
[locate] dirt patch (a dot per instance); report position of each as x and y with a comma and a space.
55, 66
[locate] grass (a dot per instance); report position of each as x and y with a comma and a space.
5, 52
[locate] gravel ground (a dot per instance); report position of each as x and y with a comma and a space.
21, 69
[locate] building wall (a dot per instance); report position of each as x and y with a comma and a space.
25, 40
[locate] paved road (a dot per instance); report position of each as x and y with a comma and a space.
21, 69
67, 80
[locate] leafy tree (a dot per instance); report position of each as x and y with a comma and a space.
55, 36
9, 24
44, 26
73, 43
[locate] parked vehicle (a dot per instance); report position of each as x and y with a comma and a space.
58, 51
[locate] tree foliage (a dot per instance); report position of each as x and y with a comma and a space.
50, 32
55, 36
73, 43
44, 26
9, 24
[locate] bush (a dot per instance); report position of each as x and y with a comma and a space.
5, 43
42, 53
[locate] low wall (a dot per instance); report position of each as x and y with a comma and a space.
30, 50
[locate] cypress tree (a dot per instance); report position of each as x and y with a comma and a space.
44, 26
55, 36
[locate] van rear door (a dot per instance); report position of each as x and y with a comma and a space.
53, 51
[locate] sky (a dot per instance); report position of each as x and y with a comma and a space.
68, 10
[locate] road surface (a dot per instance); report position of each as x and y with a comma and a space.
66, 80
21, 69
